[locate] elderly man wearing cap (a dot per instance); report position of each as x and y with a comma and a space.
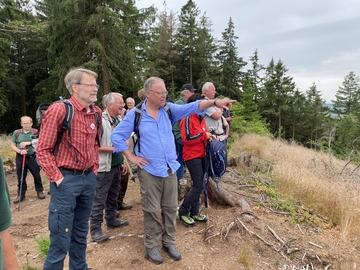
187, 90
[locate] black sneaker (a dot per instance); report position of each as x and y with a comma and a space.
119, 223
154, 255
173, 252
124, 206
40, 194
19, 199
99, 237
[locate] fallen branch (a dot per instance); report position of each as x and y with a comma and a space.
228, 228
277, 212
315, 245
211, 236
254, 234
300, 229
274, 234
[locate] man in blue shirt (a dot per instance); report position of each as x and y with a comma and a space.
157, 163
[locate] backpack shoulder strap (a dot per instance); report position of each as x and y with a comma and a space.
138, 115
97, 119
69, 114
18, 131
168, 111
137, 119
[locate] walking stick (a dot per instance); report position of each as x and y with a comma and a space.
22, 179
133, 178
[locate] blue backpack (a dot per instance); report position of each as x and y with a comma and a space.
217, 156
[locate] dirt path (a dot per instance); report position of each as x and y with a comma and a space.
240, 250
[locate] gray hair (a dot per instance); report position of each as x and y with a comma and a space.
206, 86
141, 94
110, 98
25, 117
130, 99
149, 83
74, 76
183, 92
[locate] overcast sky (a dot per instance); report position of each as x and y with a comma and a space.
318, 41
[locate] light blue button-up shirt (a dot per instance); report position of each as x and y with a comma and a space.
156, 138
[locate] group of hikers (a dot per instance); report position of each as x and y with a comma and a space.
157, 136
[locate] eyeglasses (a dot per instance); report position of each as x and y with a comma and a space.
90, 85
160, 93
120, 103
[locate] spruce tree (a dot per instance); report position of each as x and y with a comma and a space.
230, 63
347, 96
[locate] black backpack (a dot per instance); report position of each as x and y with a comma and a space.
66, 125
137, 119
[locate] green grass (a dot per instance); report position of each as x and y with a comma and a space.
43, 244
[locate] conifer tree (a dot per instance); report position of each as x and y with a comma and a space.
276, 97
230, 63
348, 96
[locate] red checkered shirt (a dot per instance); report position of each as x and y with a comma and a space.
79, 153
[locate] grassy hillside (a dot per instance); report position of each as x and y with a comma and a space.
313, 179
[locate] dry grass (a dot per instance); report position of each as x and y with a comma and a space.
310, 178
5, 148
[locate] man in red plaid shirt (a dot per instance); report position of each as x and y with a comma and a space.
72, 171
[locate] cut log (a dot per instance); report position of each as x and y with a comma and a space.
220, 195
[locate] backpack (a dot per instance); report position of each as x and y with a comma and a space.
217, 157
137, 119
66, 125
34, 131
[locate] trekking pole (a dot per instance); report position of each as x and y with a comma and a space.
21, 179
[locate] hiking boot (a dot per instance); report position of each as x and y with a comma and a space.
173, 252
118, 223
40, 194
154, 255
124, 206
99, 237
200, 217
188, 221
19, 199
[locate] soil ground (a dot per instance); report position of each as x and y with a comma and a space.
293, 246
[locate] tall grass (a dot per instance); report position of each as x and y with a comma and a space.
311, 178
5, 148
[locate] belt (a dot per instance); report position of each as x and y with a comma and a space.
76, 172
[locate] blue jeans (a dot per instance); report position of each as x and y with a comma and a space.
179, 149
191, 203
69, 211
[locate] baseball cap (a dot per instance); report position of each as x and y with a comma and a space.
189, 87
